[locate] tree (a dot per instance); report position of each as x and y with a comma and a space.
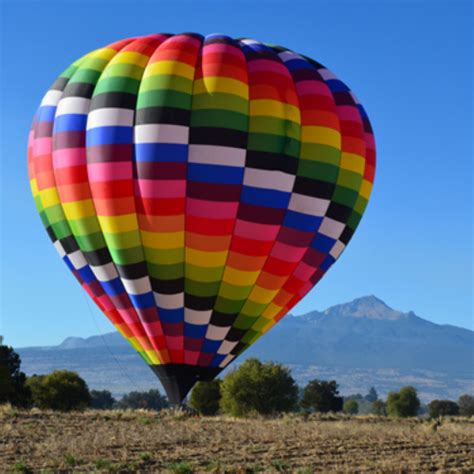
13, 388
379, 408
466, 405
437, 408
322, 396
151, 400
206, 396
264, 388
102, 399
403, 403
372, 396
61, 390
351, 407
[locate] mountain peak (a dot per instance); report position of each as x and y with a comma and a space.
369, 307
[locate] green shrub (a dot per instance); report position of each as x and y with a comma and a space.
61, 390
437, 408
13, 388
206, 396
466, 405
403, 403
102, 399
151, 400
322, 396
265, 388
351, 407
379, 408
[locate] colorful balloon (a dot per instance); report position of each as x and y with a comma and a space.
198, 188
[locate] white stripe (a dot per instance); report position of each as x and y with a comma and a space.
58, 246
250, 41
139, 286
326, 74
216, 333
105, 272
337, 249
51, 98
308, 205
277, 180
110, 117
288, 56
77, 259
227, 360
226, 347
197, 317
169, 301
331, 228
161, 133
73, 105
216, 155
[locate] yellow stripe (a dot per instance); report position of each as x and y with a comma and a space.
271, 311
102, 53
365, 189
211, 84
239, 277
205, 259
274, 108
131, 57
352, 162
321, 135
153, 357
162, 240
49, 197
176, 68
34, 187
78, 209
114, 224
261, 295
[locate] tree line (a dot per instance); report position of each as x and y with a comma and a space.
253, 387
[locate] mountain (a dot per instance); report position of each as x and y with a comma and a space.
360, 344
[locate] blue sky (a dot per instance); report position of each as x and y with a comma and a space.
410, 63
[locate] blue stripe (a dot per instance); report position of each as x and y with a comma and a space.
146, 300
161, 152
210, 346
70, 122
86, 274
109, 135
46, 113
171, 315
322, 243
69, 263
303, 222
264, 197
337, 86
113, 287
218, 358
197, 331
327, 262
295, 64
215, 173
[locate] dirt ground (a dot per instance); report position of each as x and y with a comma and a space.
140, 441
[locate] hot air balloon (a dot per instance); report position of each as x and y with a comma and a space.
197, 188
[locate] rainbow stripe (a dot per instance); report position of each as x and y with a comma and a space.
199, 187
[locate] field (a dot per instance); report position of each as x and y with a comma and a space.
140, 441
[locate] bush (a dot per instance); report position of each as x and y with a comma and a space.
151, 400
351, 407
403, 403
13, 388
372, 396
265, 388
466, 405
206, 396
322, 396
61, 390
437, 408
379, 408
102, 399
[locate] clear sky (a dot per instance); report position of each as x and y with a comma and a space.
410, 63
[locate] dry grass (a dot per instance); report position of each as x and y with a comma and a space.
140, 441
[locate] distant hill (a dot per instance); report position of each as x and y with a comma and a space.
360, 344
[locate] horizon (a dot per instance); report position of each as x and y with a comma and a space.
413, 247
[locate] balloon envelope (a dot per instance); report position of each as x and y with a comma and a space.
197, 188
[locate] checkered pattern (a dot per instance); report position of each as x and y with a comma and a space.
198, 187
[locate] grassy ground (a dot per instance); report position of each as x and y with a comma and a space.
139, 441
